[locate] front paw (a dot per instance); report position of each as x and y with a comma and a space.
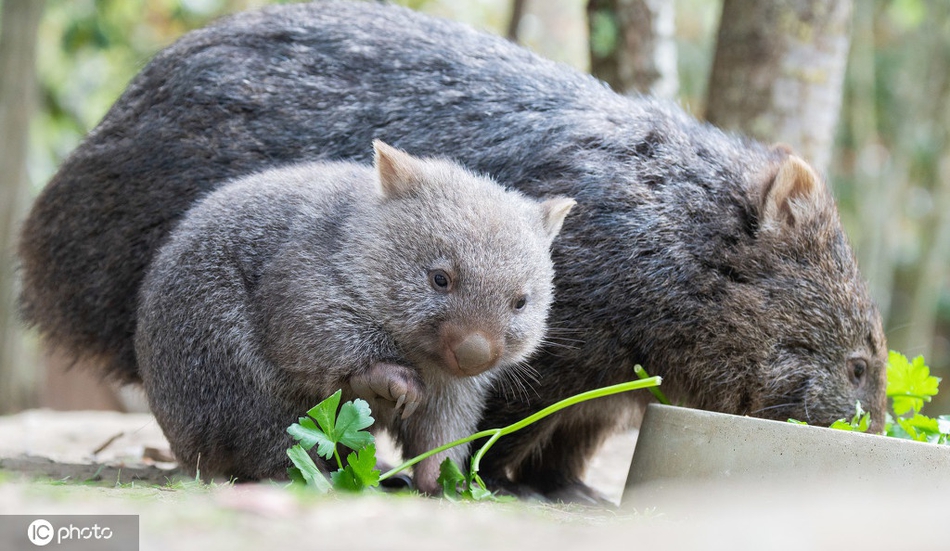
393, 383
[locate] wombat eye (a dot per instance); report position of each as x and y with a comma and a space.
440, 280
520, 303
858, 368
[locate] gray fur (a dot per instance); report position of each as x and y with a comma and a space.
675, 259
282, 287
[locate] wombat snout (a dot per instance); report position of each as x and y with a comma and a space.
470, 353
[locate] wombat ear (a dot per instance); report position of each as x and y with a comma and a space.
795, 195
398, 171
554, 210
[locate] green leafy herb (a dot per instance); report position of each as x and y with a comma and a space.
861, 421
909, 383
457, 485
450, 478
909, 386
305, 471
325, 428
345, 428
360, 471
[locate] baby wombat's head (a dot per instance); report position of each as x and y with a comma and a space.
459, 267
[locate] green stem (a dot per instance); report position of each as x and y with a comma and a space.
655, 390
495, 434
339, 462
484, 449
418, 458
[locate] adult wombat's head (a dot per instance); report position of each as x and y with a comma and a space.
830, 350
463, 269
798, 323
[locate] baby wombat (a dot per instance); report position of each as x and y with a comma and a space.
414, 287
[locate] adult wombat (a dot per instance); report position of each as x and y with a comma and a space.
414, 287
714, 261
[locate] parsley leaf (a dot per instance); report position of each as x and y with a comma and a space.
909, 384
860, 422
354, 417
360, 471
305, 471
457, 485
450, 477
324, 437
345, 428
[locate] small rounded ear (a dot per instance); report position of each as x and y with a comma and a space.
553, 212
398, 171
795, 195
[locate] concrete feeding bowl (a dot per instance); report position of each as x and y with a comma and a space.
679, 447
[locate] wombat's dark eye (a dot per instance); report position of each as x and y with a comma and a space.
858, 367
520, 303
440, 280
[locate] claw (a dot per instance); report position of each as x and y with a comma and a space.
400, 402
411, 407
393, 383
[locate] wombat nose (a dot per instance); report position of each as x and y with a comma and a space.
474, 354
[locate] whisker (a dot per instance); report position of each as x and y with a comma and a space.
776, 406
560, 329
565, 334
518, 380
504, 383
898, 327
563, 345
523, 379
529, 372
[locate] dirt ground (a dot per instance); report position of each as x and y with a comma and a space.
53, 446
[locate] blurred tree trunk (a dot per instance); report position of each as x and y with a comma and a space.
517, 13
632, 47
881, 177
778, 72
556, 30
19, 23
932, 272
932, 104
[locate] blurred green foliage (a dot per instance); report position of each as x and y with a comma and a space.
88, 52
